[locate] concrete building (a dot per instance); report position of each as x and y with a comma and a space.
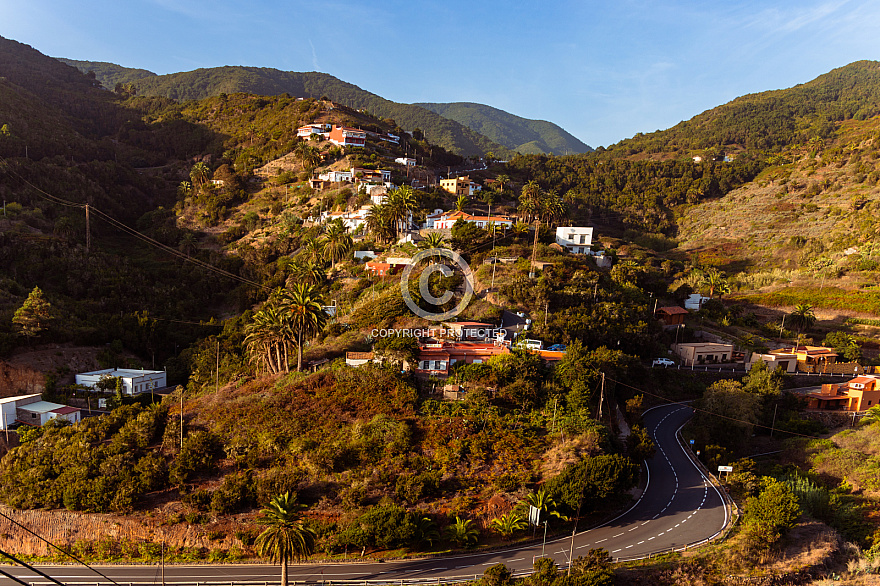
32, 410
576, 239
345, 136
451, 218
459, 186
859, 394
698, 353
134, 381
437, 359
408, 161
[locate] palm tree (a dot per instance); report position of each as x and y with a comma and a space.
305, 307
400, 203
426, 531
502, 179
802, 317
264, 338
337, 242
199, 175
544, 502
716, 281
463, 533
184, 190
188, 243
310, 273
530, 199
461, 202
284, 538
507, 525
520, 228
314, 250
379, 224
433, 240
311, 157
872, 416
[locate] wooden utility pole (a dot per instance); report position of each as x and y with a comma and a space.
217, 387
181, 417
535, 249
601, 396
88, 232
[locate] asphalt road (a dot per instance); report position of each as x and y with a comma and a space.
678, 507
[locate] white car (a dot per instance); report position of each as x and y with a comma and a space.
664, 362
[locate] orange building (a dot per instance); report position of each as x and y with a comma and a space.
859, 394
438, 358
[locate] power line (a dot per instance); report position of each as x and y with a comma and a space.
707, 412
62, 550
131, 231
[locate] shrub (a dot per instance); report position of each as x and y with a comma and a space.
200, 452
770, 515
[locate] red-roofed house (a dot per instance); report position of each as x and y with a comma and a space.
672, 316
436, 359
481, 221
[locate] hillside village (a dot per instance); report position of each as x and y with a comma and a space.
417, 346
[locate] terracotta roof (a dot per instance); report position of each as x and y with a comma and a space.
66, 410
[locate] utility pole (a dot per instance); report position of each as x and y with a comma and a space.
601, 396
88, 232
773, 425
781, 326
535, 249
217, 387
181, 418
546, 307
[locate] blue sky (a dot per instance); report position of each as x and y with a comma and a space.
602, 70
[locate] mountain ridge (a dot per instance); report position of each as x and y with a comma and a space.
525, 136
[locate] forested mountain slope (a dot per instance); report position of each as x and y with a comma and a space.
203, 83
108, 74
525, 136
772, 120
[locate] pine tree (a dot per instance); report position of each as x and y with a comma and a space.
34, 315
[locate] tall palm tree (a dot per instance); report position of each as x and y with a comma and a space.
530, 199
461, 202
502, 179
262, 336
337, 242
199, 174
314, 250
379, 223
284, 538
400, 203
309, 273
802, 317
507, 525
188, 243
305, 307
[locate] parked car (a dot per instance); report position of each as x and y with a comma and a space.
557, 348
664, 362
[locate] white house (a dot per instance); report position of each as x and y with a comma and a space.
409, 162
336, 176
309, 129
31, 410
577, 239
431, 219
133, 381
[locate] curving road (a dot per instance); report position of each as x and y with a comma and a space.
679, 507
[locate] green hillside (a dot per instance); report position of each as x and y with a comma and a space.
772, 120
203, 83
108, 74
525, 136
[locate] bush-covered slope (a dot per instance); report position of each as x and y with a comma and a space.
529, 137
774, 119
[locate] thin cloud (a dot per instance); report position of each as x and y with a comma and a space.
314, 56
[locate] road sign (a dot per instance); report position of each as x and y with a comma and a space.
534, 515
692, 442
725, 468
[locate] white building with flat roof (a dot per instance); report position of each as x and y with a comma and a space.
577, 239
32, 410
134, 381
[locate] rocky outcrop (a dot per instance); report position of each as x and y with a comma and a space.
20, 380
